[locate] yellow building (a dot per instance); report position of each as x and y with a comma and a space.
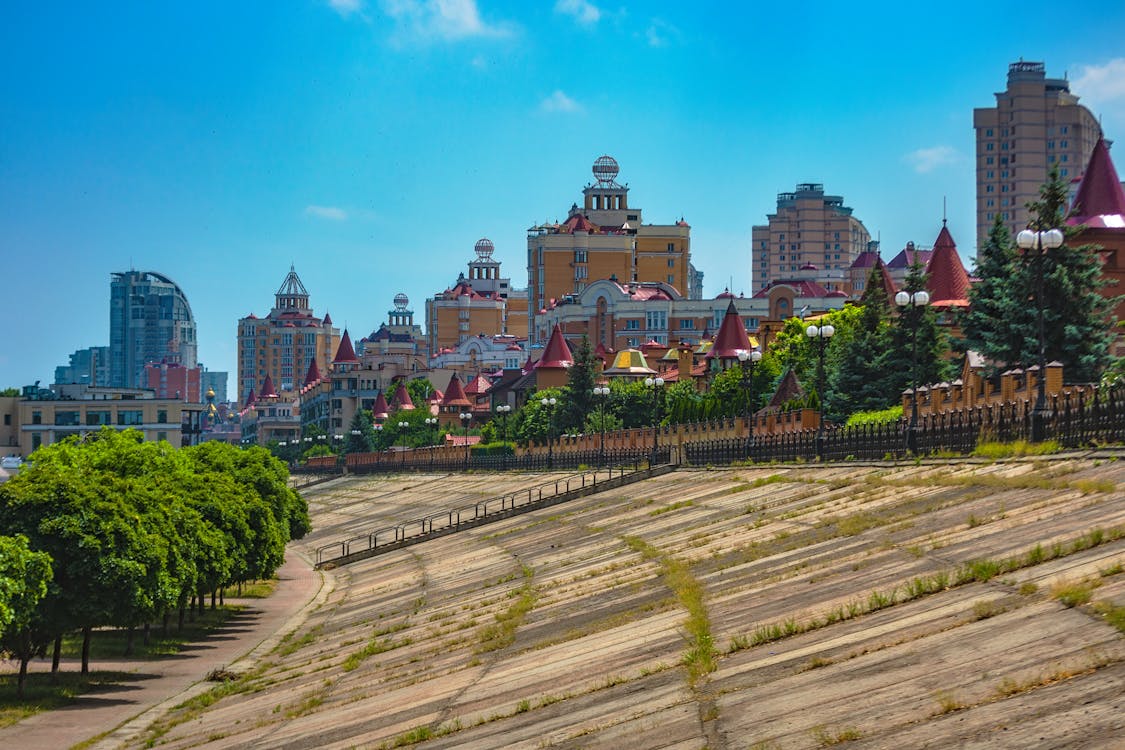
484, 302
605, 239
282, 344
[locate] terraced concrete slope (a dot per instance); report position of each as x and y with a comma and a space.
941, 605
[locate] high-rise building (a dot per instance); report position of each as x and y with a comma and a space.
811, 234
282, 344
482, 303
88, 366
1035, 124
149, 317
605, 238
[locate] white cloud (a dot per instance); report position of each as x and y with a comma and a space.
1102, 86
332, 213
583, 11
346, 7
442, 19
925, 160
559, 102
660, 33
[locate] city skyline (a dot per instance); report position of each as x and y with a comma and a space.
372, 144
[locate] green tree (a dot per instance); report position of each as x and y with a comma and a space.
364, 441
24, 576
578, 395
932, 347
420, 390
986, 325
534, 421
9, 392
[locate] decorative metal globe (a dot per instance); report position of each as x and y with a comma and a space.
484, 248
605, 169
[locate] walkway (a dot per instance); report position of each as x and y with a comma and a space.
127, 708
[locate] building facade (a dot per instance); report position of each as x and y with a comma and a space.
282, 344
149, 317
89, 366
1036, 123
811, 233
484, 302
605, 238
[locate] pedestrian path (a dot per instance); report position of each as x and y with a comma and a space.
124, 710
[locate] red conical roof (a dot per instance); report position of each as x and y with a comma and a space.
478, 386
327, 319
455, 394
251, 399
380, 410
345, 353
402, 397
556, 355
731, 336
948, 283
313, 374
267, 388
1100, 200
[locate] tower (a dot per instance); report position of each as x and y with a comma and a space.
147, 311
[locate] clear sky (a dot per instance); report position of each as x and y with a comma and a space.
372, 142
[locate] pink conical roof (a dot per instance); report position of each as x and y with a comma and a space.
556, 355
455, 394
948, 283
345, 353
478, 386
267, 388
380, 410
731, 336
1100, 200
251, 399
402, 396
327, 319
313, 374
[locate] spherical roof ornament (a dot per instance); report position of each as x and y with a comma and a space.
401, 302
484, 248
605, 169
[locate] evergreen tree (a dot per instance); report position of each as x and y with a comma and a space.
858, 377
918, 346
1063, 283
987, 326
577, 400
365, 440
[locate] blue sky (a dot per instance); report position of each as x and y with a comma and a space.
372, 142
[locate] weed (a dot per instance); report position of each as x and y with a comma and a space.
1027, 588
1073, 594
828, 738
673, 506
815, 663
947, 703
1113, 614
984, 609
1114, 569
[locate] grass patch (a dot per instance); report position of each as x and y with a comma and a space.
1112, 613
672, 507
290, 645
829, 737
251, 589
1073, 593
375, 646
502, 633
41, 693
947, 703
1015, 449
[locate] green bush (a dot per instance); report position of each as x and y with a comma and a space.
494, 449
883, 416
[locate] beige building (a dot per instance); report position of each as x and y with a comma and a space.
47, 418
282, 344
484, 302
605, 238
1035, 124
812, 235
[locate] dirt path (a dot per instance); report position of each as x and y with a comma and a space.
125, 709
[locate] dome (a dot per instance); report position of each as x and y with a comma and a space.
484, 248
401, 302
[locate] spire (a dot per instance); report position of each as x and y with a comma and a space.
557, 353
327, 319
292, 295
1100, 200
267, 388
251, 399
313, 374
948, 283
345, 354
402, 397
380, 411
731, 336
455, 394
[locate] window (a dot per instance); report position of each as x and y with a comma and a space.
130, 417
579, 256
671, 279
162, 416
94, 418
66, 418
162, 436
580, 272
988, 160
7, 419
988, 133
656, 319
671, 262
686, 324
988, 147
37, 417
36, 440
632, 325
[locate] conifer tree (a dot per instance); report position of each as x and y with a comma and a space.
577, 399
930, 348
859, 382
988, 326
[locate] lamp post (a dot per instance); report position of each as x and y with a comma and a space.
820, 334
432, 423
655, 384
549, 407
402, 426
601, 393
466, 418
913, 301
748, 358
1041, 242
503, 410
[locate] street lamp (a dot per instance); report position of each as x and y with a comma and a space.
820, 334
655, 384
913, 301
503, 410
549, 405
748, 358
431, 423
1041, 242
601, 393
466, 418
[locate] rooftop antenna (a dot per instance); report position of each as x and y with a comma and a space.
943, 210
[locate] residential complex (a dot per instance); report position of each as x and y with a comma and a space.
149, 317
1036, 123
811, 233
283, 344
605, 238
89, 366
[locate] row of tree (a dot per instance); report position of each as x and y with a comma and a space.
120, 532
